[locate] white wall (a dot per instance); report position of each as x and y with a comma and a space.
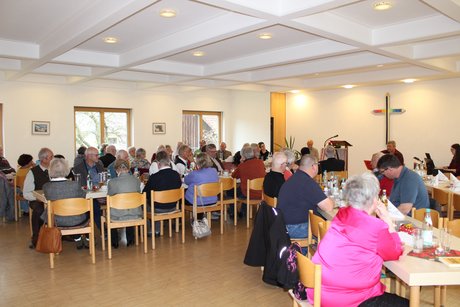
430, 123
245, 114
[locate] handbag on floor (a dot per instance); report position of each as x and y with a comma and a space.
200, 228
49, 240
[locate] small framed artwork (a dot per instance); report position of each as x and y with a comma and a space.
40, 127
159, 128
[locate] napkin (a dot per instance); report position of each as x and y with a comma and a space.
454, 180
395, 214
441, 176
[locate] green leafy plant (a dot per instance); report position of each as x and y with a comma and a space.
290, 144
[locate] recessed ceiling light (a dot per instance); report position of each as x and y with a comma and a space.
110, 40
265, 36
382, 5
348, 86
408, 80
295, 91
168, 13
380, 65
198, 53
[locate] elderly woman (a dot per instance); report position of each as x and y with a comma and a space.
60, 188
355, 247
140, 162
123, 183
204, 173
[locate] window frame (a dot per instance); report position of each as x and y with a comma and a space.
102, 124
200, 114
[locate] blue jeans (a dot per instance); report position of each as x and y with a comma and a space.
298, 230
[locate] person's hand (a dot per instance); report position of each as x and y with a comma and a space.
384, 215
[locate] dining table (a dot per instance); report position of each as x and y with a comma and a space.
100, 193
417, 272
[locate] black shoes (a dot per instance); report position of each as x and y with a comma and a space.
79, 243
130, 242
115, 245
31, 245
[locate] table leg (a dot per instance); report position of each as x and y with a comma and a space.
414, 296
437, 296
443, 295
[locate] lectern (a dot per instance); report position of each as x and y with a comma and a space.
341, 149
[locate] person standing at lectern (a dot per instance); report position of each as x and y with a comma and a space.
391, 149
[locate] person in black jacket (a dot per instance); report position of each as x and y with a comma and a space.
165, 179
332, 164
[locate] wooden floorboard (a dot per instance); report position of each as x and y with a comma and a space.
205, 272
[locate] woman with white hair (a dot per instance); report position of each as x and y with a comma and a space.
354, 248
60, 188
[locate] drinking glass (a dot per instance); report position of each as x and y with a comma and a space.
77, 178
446, 239
418, 240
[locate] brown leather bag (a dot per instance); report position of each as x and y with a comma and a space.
49, 240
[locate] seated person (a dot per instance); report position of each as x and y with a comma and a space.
275, 178
304, 151
124, 183
140, 162
352, 252
263, 152
391, 149
61, 188
455, 163
331, 164
385, 183
291, 165
300, 194
204, 173
164, 179
408, 189
249, 168
5, 166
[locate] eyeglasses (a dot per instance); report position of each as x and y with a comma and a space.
383, 170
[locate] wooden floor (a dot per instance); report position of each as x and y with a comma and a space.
205, 272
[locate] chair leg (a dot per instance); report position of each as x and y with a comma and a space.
222, 219
109, 242
235, 213
153, 231
177, 224
183, 228
52, 260
247, 214
92, 246
103, 235
136, 235
170, 227
31, 211
144, 237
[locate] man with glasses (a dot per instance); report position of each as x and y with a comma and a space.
300, 194
275, 178
211, 150
408, 189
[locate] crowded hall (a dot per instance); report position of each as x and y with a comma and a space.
230, 153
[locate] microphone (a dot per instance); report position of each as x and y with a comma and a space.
325, 142
417, 159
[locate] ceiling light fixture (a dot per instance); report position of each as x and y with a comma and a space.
382, 5
348, 86
110, 40
380, 65
198, 53
295, 91
265, 36
168, 13
408, 80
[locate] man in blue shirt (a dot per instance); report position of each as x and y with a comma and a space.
408, 189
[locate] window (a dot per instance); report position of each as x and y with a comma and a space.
96, 126
200, 125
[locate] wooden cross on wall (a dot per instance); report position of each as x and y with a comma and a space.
388, 111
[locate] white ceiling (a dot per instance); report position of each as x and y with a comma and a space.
316, 44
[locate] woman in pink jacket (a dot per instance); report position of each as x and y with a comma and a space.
355, 247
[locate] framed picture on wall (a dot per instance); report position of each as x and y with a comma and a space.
40, 127
159, 128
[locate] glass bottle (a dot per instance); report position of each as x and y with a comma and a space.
89, 183
427, 229
384, 198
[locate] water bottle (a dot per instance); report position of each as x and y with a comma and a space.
325, 178
384, 198
136, 172
89, 183
427, 229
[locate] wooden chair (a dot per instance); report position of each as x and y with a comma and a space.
310, 277
419, 215
207, 190
454, 205
18, 184
442, 197
322, 229
453, 227
255, 184
164, 197
125, 201
313, 232
271, 201
229, 183
70, 207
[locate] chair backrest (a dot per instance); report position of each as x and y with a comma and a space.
419, 215
456, 201
454, 227
256, 184
310, 276
167, 196
313, 223
208, 189
441, 196
126, 200
228, 183
19, 181
322, 229
271, 201
69, 206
